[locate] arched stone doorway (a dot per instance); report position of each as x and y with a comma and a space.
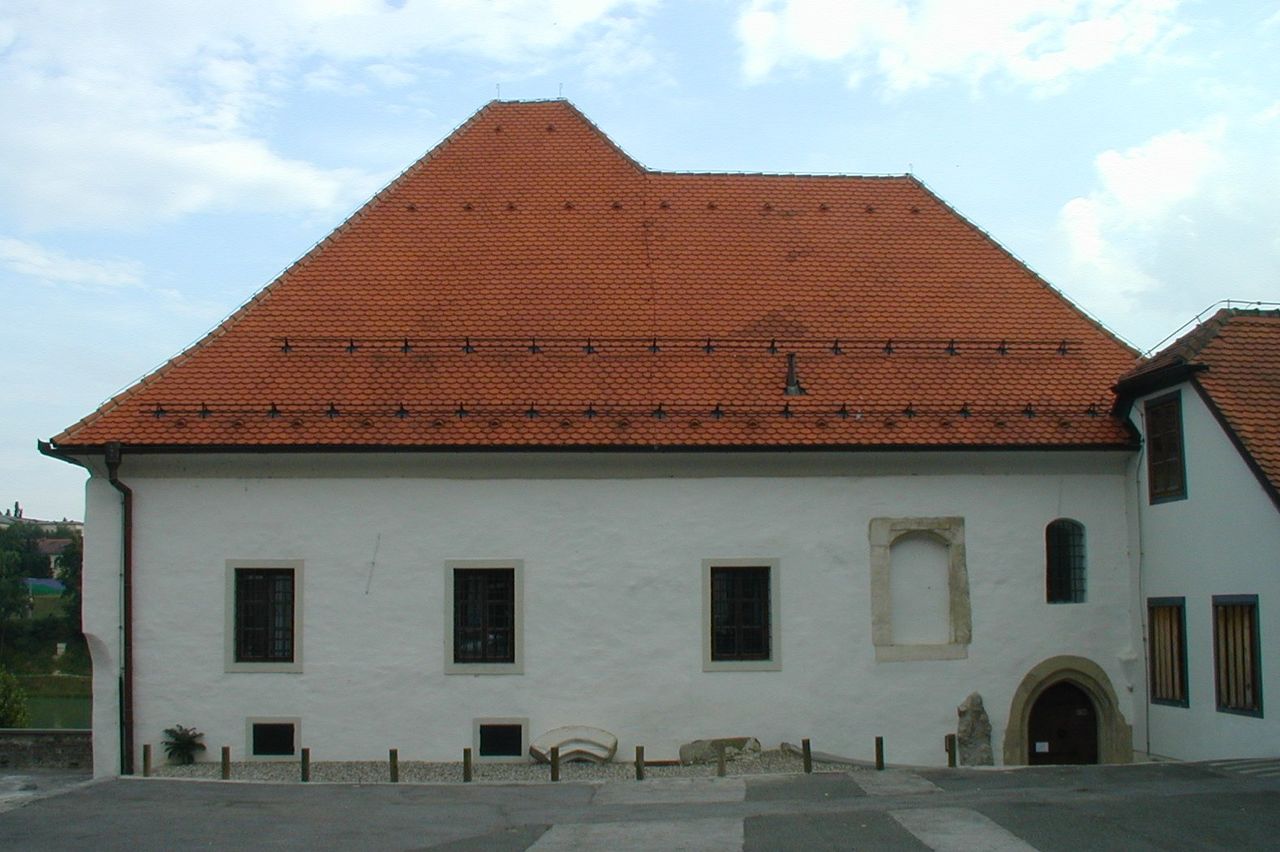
1081, 679
1062, 726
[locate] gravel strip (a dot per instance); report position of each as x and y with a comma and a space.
421, 772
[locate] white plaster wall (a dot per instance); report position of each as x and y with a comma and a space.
612, 547
1224, 539
100, 579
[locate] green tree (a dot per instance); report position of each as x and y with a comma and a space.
22, 542
13, 592
70, 562
13, 702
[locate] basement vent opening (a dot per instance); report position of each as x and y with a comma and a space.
501, 739
274, 738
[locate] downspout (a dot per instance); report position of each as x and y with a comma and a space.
113, 453
112, 457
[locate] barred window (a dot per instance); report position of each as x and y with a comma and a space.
264, 600
740, 613
1237, 670
484, 613
1167, 649
1166, 471
1064, 562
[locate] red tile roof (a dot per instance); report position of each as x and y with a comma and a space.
528, 284
1233, 358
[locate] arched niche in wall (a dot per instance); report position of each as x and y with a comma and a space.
1115, 735
919, 589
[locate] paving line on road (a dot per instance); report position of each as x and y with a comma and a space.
1264, 767
893, 782
693, 835
959, 830
671, 791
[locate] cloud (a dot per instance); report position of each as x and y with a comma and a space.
146, 111
51, 267
908, 45
1183, 219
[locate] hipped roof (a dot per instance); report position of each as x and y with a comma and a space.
527, 284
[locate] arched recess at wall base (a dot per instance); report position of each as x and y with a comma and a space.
1115, 735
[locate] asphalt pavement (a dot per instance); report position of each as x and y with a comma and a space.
1220, 805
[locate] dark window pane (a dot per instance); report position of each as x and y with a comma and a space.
1166, 476
740, 613
484, 615
1064, 562
501, 741
273, 738
264, 615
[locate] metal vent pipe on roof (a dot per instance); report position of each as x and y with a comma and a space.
793, 387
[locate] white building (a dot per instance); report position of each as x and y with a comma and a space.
1207, 502
540, 437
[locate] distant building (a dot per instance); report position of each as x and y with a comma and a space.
15, 516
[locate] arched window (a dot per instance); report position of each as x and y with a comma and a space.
1064, 567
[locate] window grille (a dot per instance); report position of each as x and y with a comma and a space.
1064, 562
740, 613
484, 615
264, 615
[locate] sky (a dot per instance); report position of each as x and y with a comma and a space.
160, 162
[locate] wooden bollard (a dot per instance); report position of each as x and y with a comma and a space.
226, 763
720, 763
808, 756
639, 763
306, 764
146, 760
879, 752
466, 764
950, 744
555, 763
394, 761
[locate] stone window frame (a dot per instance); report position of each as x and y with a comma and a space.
774, 662
250, 721
948, 531
513, 668
230, 663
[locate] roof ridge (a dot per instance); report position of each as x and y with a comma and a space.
1035, 276
818, 175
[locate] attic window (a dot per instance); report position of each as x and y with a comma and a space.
1166, 468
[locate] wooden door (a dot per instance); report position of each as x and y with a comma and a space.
1063, 727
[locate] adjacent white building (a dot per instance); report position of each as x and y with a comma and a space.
1208, 512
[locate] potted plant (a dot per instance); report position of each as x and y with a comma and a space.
182, 744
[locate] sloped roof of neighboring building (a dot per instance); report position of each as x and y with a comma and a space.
527, 284
52, 546
1233, 359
